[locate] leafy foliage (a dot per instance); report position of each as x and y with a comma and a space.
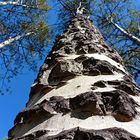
24, 36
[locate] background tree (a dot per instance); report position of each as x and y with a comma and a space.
24, 36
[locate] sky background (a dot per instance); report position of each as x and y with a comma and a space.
11, 104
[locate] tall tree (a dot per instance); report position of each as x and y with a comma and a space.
82, 91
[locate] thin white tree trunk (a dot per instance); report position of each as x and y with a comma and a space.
17, 4
129, 35
9, 2
10, 40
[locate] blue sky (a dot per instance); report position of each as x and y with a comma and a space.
11, 104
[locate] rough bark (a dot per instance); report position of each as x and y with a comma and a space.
82, 92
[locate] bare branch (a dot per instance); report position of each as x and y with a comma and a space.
66, 6
80, 9
133, 67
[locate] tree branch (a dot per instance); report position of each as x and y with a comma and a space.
66, 6
16, 4
9, 2
133, 67
10, 40
129, 35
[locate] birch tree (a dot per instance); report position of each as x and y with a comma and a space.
23, 36
82, 91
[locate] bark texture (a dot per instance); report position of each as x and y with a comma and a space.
82, 92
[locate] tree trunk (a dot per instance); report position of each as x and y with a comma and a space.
82, 92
